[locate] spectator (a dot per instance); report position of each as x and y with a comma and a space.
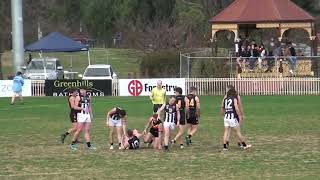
241, 61
262, 52
254, 54
17, 87
292, 58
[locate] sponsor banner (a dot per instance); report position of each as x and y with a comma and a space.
143, 87
6, 88
94, 87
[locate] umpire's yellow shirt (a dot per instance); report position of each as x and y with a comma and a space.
158, 96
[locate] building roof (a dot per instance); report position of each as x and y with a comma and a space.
258, 11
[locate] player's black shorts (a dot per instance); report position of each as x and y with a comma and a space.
73, 117
193, 120
182, 118
154, 133
156, 107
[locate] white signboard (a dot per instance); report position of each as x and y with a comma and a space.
143, 87
6, 88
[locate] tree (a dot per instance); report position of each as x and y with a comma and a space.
5, 26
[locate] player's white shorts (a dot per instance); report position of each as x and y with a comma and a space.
83, 118
171, 125
115, 123
233, 122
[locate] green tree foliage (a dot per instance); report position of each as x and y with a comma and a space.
160, 64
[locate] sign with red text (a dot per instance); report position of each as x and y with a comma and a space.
143, 87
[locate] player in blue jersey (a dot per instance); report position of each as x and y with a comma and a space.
232, 117
18, 82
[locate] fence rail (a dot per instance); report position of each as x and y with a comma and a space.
245, 86
257, 86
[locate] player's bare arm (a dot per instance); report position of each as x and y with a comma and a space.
75, 104
240, 106
178, 116
236, 106
147, 126
90, 108
160, 135
151, 96
161, 109
179, 104
222, 107
124, 125
186, 100
198, 106
113, 110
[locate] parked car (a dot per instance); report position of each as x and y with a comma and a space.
99, 71
44, 68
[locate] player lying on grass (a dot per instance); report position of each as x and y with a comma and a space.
232, 117
116, 121
171, 115
241, 111
154, 126
131, 140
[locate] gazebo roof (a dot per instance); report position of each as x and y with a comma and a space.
258, 11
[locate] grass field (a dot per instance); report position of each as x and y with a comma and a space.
124, 61
284, 132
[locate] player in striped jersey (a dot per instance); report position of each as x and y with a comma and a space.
232, 117
171, 117
155, 132
84, 118
116, 121
241, 110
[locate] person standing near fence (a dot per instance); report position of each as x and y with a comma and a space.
292, 58
158, 96
18, 82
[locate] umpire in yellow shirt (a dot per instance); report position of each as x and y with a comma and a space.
158, 96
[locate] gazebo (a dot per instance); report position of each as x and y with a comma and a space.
264, 14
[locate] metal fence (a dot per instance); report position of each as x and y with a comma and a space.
203, 64
245, 86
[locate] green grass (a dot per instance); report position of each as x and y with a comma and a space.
284, 132
124, 61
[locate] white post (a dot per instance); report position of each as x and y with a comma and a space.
89, 61
17, 34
